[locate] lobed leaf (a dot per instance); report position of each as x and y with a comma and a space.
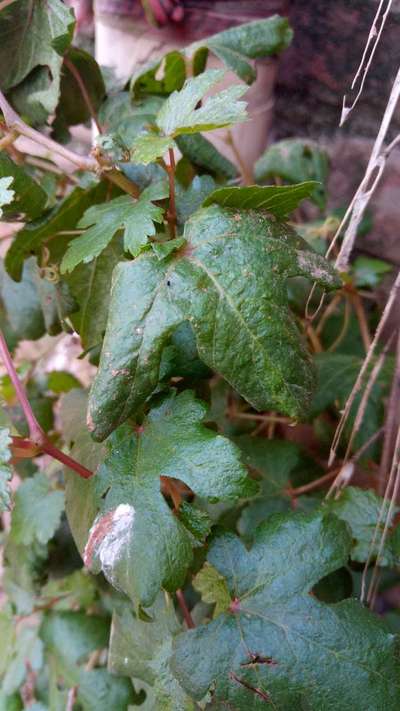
37, 511
5, 470
277, 642
229, 283
172, 442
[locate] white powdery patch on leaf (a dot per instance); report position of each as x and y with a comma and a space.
108, 537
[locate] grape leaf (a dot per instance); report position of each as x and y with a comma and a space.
136, 217
72, 108
180, 114
70, 637
37, 511
229, 283
33, 36
295, 160
277, 642
172, 442
142, 649
27, 650
5, 470
64, 216
90, 285
251, 40
161, 76
201, 152
29, 198
22, 302
213, 588
360, 510
6, 195
278, 200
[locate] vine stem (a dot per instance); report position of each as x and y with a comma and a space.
87, 163
185, 610
36, 435
171, 217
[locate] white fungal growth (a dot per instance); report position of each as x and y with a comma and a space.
108, 537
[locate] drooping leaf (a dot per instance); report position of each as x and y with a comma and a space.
136, 217
6, 195
5, 470
132, 511
90, 285
22, 302
278, 200
142, 649
360, 509
72, 108
28, 198
191, 199
34, 36
295, 160
277, 642
70, 637
203, 154
162, 76
37, 511
229, 283
252, 40
64, 216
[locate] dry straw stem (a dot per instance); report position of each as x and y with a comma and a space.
363, 370
368, 55
392, 420
366, 189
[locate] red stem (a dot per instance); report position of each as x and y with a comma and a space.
36, 434
185, 610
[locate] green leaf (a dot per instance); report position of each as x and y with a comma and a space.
279, 643
203, 154
63, 217
72, 592
28, 197
161, 76
337, 373
5, 470
229, 282
179, 114
37, 511
70, 637
142, 649
368, 272
172, 442
295, 160
360, 509
275, 461
124, 118
72, 108
33, 38
136, 217
164, 249
6, 195
148, 147
90, 285
278, 200
22, 302
213, 588
253, 40
61, 381
190, 200
28, 650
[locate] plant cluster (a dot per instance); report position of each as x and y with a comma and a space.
167, 543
